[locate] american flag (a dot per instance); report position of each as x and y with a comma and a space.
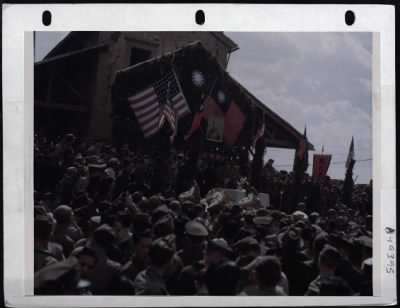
163, 100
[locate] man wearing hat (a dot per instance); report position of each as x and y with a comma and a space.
329, 259
298, 274
140, 257
196, 234
63, 216
247, 249
217, 251
66, 186
346, 268
107, 273
268, 275
46, 252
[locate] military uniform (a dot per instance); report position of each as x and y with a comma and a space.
150, 282
44, 257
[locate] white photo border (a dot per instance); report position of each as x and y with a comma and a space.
19, 22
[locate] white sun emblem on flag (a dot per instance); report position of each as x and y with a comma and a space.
221, 97
198, 79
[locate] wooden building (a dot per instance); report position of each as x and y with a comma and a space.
81, 86
73, 82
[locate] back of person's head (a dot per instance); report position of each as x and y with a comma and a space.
223, 278
269, 271
87, 251
330, 256
104, 235
161, 252
138, 236
43, 227
63, 214
334, 286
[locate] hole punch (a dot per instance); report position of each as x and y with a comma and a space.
349, 18
46, 18
200, 17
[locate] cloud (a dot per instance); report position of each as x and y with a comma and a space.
322, 80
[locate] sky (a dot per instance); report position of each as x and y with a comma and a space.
318, 80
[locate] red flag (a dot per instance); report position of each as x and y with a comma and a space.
321, 164
234, 120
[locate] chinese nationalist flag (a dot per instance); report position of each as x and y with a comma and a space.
321, 164
219, 104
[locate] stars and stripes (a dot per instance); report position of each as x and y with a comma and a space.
160, 102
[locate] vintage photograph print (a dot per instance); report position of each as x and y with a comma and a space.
203, 163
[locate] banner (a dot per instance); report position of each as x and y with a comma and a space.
215, 129
321, 164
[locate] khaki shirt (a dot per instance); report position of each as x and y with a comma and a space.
150, 282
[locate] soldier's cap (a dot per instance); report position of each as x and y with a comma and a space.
331, 212
95, 220
97, 166
261, 212
365, 241
314, 214
221, 245
164, 226
160, 211
174, 205
62, 213
301, 224
247, 243
113, 161
70, 136
320, 241
196, 228
262, 220
291, 238
300, 214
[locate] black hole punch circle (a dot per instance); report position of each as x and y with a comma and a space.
46, 18
200, 17
349, 18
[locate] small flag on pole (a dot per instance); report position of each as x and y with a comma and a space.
351, 154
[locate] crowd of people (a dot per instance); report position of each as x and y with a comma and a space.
119, 222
